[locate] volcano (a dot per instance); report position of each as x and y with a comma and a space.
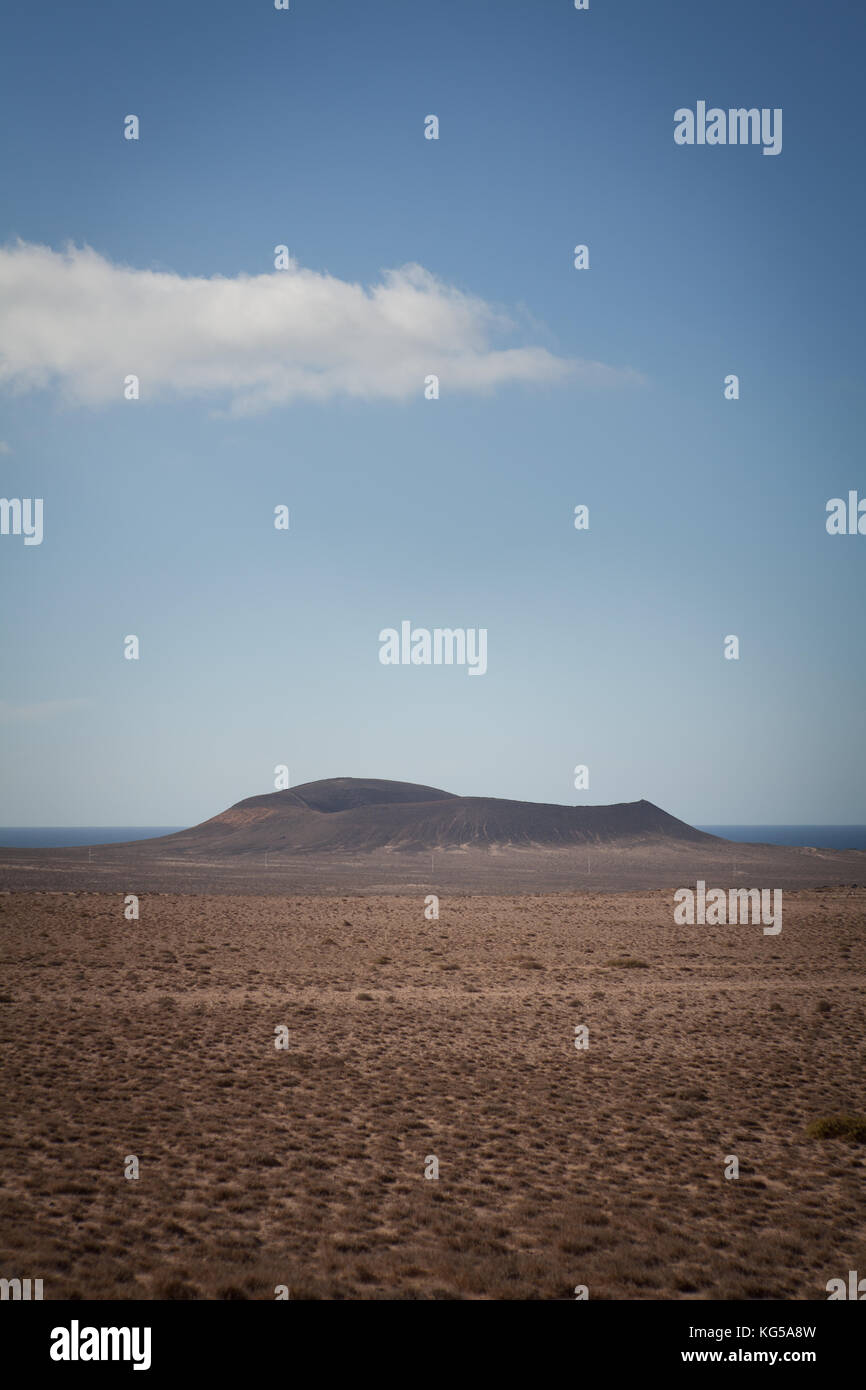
348, 815
364, 835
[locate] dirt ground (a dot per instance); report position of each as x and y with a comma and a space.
411, 1040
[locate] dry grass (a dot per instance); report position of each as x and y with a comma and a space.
852, 1128
410, 1038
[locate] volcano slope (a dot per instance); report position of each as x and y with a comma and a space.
349, 834
345, 815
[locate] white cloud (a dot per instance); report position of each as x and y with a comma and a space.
4, 447
74, 319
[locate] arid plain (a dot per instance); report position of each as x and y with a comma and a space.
410, 1038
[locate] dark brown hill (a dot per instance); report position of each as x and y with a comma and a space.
350, 815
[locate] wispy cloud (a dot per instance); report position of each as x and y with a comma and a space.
77, 320
38, 711
4, 447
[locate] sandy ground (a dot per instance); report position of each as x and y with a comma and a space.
145, 866
409, 1039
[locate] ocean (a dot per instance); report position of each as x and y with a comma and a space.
819, 836
58, 836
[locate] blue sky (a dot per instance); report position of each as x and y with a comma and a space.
260, 647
